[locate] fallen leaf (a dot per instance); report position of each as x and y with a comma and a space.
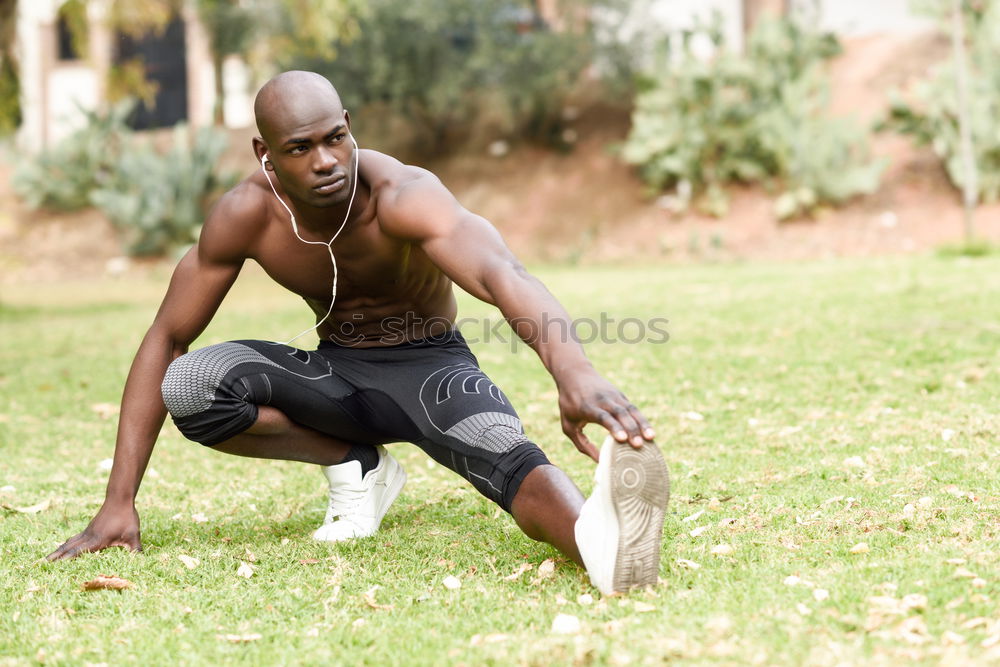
33, 509
693, 517
854, 462
308, 561
722, 550
792, 580
199, 518
240, 639
698, 531
914, 601
860, 548
244, 570
492, 638
111, 582
821, 594
358, 622
955, 561
689, 564
452, 582
585, 599
565, 624
952, 638
913, 630
909, 510
691, 415
547, 568
369, 598
978, 582
642, 607
947, 434
963, 573
925, 501
802, 609
105, 464
524, 567
105, 410
190, 562
978, 622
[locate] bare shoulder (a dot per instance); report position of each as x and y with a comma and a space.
411, 201
235, 223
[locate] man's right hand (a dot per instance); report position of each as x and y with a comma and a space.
114, 526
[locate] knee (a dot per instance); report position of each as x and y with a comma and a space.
208, 401
501, 437
193, 380
187, 387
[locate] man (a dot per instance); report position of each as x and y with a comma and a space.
383, 371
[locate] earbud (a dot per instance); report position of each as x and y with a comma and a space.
263, 161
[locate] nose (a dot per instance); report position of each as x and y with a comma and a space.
325, 160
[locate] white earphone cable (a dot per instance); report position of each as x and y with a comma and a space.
328, 244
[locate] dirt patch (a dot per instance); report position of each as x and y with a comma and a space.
586, 205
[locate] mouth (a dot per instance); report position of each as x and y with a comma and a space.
330, 186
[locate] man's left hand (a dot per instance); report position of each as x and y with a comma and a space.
590, 399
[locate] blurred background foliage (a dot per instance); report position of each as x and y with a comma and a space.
447, 75
155, 195
931, 115
449, 67
753, 117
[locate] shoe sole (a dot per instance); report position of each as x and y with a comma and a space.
640, 489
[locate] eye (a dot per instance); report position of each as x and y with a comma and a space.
297, 149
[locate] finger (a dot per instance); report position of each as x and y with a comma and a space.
583, 443
60, 553
624, 417
647, 428
607, 420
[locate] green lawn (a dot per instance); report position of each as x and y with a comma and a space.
804, 409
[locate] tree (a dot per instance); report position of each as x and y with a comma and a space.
10, 105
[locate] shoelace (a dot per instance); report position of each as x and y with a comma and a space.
343, 501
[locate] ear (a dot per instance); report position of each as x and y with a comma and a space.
347, 118
260, 150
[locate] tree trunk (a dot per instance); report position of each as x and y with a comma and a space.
754, 10
970, 177
219, 109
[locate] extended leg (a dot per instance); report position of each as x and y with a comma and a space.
546, 507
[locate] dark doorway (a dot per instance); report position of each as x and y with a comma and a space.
164, 57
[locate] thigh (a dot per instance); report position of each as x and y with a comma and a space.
213, 392
438, 398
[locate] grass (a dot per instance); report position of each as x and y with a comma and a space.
804, 409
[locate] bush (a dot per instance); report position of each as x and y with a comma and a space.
932, 117
158, 201
63, 177
448, 65
701, 124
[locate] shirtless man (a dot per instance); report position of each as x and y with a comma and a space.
389, 366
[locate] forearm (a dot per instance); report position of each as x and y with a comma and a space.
142, 415
538, 318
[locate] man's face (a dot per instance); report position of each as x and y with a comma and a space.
313, 155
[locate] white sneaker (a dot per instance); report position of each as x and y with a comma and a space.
358, 504
620, 525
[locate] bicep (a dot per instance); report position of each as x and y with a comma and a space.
472, 253
465, 246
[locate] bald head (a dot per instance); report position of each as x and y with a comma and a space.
292, 97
